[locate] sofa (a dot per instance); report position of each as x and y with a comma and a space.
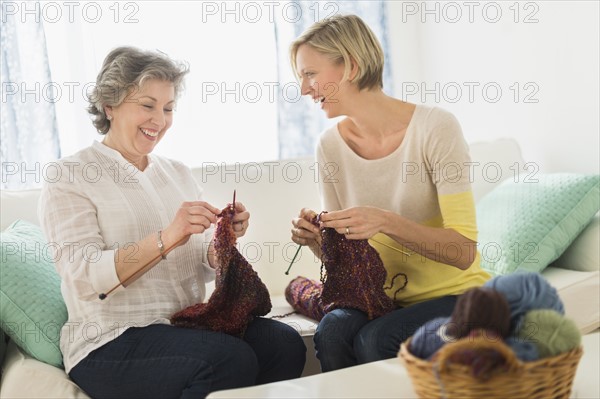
274, 192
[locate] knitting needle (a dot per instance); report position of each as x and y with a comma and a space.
371, 239
103, 296
389, 246
293, 259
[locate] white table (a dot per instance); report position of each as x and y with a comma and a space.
388, 379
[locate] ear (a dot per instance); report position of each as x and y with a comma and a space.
353, 69
108, 110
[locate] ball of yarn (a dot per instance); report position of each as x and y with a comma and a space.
430, 337
551, 332
483, 362
305, 297
525, 292
481, 308
524, 350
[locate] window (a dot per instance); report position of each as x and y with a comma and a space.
241, 103
228, 111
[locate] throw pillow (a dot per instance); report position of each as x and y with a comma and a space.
32, 310
526, 225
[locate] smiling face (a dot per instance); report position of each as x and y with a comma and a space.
322, 79
141, 120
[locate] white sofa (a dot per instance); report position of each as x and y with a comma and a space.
274, 192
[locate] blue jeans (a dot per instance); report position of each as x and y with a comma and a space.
162, 361
346, 337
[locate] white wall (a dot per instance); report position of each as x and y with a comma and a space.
550, 49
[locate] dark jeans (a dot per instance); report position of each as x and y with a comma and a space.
345, 337
162, 361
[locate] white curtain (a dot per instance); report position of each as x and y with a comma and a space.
300, 122
28, 129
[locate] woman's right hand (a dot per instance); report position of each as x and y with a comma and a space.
192, 217
304, 232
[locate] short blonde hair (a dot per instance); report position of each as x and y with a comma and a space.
123, 70
347, 39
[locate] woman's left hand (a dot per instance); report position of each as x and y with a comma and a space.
357, 223
240, 220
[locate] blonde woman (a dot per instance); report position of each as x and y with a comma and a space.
402, 178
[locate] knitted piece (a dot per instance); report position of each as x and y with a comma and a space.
305, 297
239, 293
354, 279
354, 275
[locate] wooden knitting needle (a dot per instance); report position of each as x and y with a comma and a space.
103, 296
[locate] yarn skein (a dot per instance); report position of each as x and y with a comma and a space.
430, 337
525, 292
524, 350
551, 332
481, 308
304, 295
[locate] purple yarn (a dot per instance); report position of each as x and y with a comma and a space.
305, 297
524, 292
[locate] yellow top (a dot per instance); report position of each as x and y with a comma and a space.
406, 283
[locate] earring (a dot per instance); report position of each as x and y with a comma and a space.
109, 117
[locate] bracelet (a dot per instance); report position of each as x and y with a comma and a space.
161, 246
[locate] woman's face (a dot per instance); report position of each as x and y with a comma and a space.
321, 79
142, 119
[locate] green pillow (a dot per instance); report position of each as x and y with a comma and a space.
526, 225
32, 310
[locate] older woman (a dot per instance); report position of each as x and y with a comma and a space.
115, 208
402, 178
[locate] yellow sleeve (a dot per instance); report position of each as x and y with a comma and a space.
458, 213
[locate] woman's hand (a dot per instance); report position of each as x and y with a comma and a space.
304, 232
240, 220
192, 217
357, 223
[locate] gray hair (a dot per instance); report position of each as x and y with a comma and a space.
125, 69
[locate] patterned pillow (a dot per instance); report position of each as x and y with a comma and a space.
32, 310
526, 225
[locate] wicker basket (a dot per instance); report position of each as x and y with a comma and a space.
542, 379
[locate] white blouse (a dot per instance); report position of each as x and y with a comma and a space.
98, 202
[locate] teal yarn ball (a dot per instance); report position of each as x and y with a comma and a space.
550, 331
